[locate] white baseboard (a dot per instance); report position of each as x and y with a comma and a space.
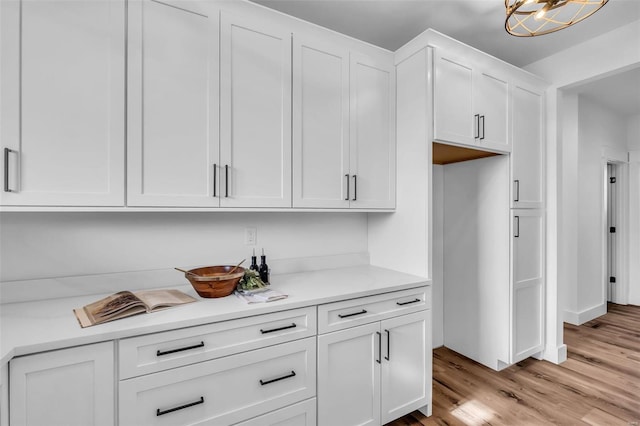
53, 288
579, 318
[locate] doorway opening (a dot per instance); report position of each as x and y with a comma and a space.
615, 279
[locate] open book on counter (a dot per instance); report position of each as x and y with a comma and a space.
126, 303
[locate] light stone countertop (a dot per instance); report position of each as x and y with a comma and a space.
38, 326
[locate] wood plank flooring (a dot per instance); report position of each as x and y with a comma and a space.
599, 384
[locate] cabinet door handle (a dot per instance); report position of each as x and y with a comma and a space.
271, 330
353, 314
160, 412
517, 190
517, 230
408, 303
355, 188
186, 348
277, 379
388, 345
226, 180
7, 151
481, 118
379, 360
215, 179
347, 197
477, 126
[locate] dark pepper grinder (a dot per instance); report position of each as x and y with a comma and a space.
254, 264
264, 269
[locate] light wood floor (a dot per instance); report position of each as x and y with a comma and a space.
599, 384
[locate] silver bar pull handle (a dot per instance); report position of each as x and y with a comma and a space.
516, 232
517, 190
481, 118
388, 357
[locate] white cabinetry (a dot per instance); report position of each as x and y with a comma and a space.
372, 133
470, 104
300, 414
344, 132
255, 112
62, 102
527, 284
222, 373
360, 367
320, 123
66, 387
172, 104
527, 156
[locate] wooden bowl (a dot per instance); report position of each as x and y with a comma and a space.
214, 281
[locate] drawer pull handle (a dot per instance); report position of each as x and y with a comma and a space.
160, 412
408, 303
379, 360
186, 348
353, 314
266, 382
293, 325
388, 357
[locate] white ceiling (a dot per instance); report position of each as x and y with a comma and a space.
478, 23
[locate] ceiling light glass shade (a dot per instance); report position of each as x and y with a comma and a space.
527, 18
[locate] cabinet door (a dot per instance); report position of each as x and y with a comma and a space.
491, 104
320, 123
62, 103
172, 104
453, 100
528, 149
349, 376
406, 348
255, 113
527, 284
373, 147
66, 387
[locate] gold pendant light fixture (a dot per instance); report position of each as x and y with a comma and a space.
528, 18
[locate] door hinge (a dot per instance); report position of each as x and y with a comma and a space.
612, 180
612, 279
612, 229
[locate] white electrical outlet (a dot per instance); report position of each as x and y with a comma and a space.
250, 236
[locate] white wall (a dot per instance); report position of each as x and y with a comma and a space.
47, 245
633, 133
607, 54
597, 128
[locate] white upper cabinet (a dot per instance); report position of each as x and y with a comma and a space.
62, 102
255, 113
320, 123
528, 149
372, 181
471, 104
173, 104
491, 102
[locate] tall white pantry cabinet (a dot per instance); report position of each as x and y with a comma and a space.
466, 105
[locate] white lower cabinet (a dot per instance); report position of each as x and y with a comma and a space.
222, 391
300, 414
375, 373
67, 387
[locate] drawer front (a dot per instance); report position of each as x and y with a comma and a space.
364, 310
171, 349
300, 414
222, 391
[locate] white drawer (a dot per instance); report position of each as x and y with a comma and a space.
364, 310
300, 414
161, 351
222, 391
